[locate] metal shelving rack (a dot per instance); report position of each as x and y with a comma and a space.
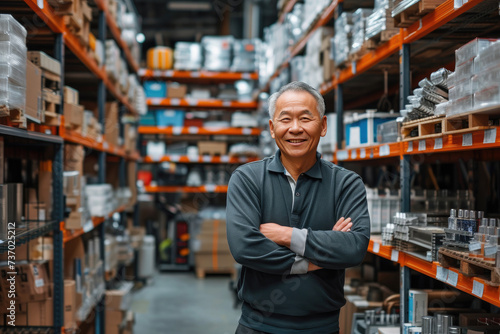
486, 142
64, 38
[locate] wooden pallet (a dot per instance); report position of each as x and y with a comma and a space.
413, 13
367, 46
384, 35
202, 272
470, 266
471, 121
428, 127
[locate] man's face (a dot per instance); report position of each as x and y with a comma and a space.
297, 125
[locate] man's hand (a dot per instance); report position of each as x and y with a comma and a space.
282, 235
343, 225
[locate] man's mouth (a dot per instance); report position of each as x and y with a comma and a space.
296, 141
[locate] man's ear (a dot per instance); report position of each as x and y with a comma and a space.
324, 126
271, 128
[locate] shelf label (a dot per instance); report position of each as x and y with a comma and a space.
193, 158
376, 247
452, 278
40, 4
155, 101
226, 103
342, 155
394, 255
207, 158
224, 158
193, 130
105, 145
175, 158
384, 150
177, 130
354, 154
362, 153
244, 159
192, 102
490, 136
410, 147
246, 131
99, 138
438, 143
89, 226
441, 274
467, 139
157, 73
195, 74
474, 245
175, 102
353, 67
477, 288
490, 250
210, 188
246, 76
421, 145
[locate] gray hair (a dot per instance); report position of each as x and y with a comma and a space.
297, 86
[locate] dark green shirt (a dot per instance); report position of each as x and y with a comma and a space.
275, 299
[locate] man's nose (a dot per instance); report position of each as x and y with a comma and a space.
295, 126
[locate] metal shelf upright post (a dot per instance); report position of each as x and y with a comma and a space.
58, 208
101, 101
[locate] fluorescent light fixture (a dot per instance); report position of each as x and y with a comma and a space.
140, 38
189, 5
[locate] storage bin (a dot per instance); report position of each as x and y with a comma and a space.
361, 129
155, 89
148, 119
170, 118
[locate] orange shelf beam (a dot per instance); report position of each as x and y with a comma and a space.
225, 159
115, 31
325, 17
170, 130
471, 285
185, 189
197, 75
379, 151
198, 103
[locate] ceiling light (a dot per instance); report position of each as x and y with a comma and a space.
140, 38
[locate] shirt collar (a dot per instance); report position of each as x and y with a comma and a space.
276, 166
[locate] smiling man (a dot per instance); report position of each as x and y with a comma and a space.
295, 222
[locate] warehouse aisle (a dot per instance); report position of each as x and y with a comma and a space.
179, 303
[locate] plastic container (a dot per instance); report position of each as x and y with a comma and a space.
155, 89
169, 118
361, 129
472, 49
147, 259
9, 28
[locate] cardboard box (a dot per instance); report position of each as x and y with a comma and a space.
69, 304
212, 148
213, 226
119, 299
76, 220
214, 261
71, 95
113, 321
354, 304
34, 211
45, 62
41, 249
32, 282
41, 313
417, 306
74, 250
45, 186
73, 115
176, 91
34, 92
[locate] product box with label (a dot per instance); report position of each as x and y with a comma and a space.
155, 89
71, 95
34, 92
177, 91
73, 116
45, 62
69, 303
417, 306
119, 299
170, 118
40, 313
212, 148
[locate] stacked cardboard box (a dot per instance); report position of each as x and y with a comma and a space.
72, 184
111, 125
118, 317
77, 17
73, 111
213, 255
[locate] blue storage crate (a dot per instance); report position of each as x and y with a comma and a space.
170, 118
155, 89
148, 119
361, 129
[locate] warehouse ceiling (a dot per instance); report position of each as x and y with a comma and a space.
165, 22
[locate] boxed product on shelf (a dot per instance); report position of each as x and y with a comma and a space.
33, 92
213, 148
361, 129
188, 56
417, 306
73, 116
71, 95
293, 23
99, 198
176, 90
45, 62
170, 118
389, 132
217, 52
328, 143
69, 304
341, 41
130, 137
171, 174
380, 25
244, 120
155, 89
244, 55
472, 49
120, 298
160, 58
359, 18
312, 9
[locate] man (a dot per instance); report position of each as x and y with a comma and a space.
286, 226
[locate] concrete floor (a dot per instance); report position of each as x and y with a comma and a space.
179, 303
